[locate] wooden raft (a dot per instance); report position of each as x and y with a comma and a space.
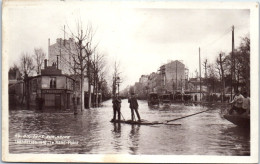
142, 122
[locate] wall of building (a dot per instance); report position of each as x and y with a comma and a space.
58, 96
65, 49
170, 75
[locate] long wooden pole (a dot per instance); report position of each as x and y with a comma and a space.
186, 116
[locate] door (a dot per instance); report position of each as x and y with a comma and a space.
68, 101
57, 101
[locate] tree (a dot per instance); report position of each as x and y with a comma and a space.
27, 68
116, 78
211, 78
26, 64
98, 63
39, 57
220, 64
80, 53
14, 72
242, 58
205, 66
239, 64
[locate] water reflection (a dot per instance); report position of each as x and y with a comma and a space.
236, 139
134, 138
116, 135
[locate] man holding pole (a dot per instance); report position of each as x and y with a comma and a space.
116, 107
134, 107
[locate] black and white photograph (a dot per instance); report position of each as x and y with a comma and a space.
121, 81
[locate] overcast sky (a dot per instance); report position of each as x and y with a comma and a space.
140, 39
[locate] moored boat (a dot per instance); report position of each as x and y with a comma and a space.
239, 120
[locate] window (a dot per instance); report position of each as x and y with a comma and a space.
53, 82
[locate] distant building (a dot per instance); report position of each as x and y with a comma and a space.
154, 82
194, 85
61, 53
173, 76
170, 78
194, 88
143, 79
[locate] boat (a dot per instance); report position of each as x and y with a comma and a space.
239, 120
142, 122
153, 99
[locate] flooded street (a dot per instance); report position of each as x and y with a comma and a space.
90, 132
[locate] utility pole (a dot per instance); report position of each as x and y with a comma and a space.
49, 42
181, 83
64, 36
232, 62
176, 76
200, 73
58, 55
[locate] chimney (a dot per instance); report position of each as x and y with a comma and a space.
45, 63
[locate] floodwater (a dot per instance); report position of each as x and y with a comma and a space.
91, 132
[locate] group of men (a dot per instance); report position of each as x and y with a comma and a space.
241, 103
117, 107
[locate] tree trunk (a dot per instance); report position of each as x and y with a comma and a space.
94, 90
82, 91
89, 83
89, 94
96, 93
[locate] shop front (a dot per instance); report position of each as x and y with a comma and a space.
58, 99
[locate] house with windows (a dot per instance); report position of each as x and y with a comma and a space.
55, 89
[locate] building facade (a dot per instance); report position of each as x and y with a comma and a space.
61, 52
55, 89
173, 76
170, 78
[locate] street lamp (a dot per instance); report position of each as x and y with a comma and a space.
118, 82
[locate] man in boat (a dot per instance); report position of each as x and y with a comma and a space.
116, 107
134, 107
246, 103
237, 103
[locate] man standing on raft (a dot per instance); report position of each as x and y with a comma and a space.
116, 108
134, 107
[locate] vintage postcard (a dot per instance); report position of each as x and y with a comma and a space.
130, 81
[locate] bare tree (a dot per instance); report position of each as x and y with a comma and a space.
27, 68
80, 55
39, 57
220, 64
26, 64
99, 73
116, 78
205, 66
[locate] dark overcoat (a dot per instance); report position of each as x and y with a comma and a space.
133, 103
